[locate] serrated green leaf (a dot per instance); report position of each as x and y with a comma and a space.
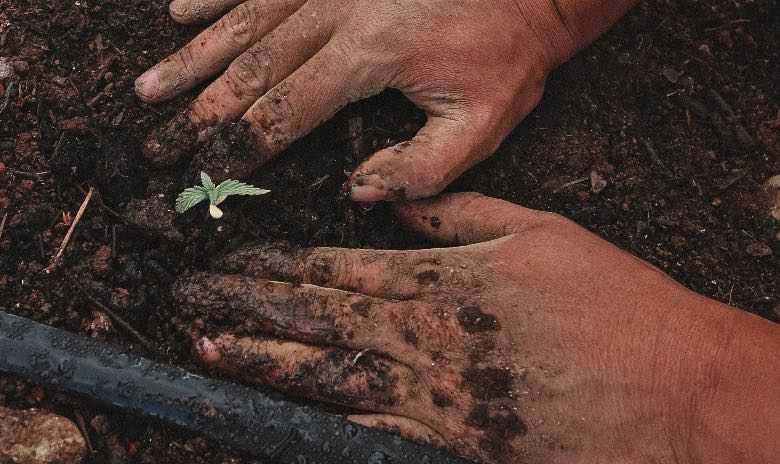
205, 179
232, 187
190, 197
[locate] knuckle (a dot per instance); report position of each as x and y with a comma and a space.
187, 60
249, 73
239, 25
319, 267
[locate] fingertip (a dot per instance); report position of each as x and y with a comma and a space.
147, 86
180, 12
369, 188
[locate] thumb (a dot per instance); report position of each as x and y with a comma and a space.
422, 167
467, 218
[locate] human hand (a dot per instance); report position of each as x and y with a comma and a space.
476, 68
539, 342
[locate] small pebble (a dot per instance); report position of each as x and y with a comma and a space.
6, 69
98, 325
38, 437
759, 249
100, 261
76, 124
772, 187
597, 182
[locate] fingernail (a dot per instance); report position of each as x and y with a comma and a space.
177, 8
180, 11
147, 87
367, 188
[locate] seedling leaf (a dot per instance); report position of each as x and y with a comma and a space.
190, 197
233, 187
215, 194
205, 179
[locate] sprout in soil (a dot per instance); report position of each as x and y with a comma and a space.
215, 194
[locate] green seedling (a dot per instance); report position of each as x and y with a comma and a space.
215, 194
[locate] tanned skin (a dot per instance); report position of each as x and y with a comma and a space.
533, 341
476, 67
536, 342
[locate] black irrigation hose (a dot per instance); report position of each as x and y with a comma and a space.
236, 416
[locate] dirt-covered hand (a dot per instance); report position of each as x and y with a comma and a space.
539, 342
284, 66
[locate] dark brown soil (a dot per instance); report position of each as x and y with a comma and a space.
658, 138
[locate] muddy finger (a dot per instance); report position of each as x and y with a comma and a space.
409, 429
246, 79
330, 80
304, 313
468, 218
196, 11
346, 378
213, 49
382, 273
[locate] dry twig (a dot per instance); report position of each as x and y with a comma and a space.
58, 257
113, 315
2, 224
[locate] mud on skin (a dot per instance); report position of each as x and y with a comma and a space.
335, 375
252, 306
481, 394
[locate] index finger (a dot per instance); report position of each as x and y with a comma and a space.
195, 11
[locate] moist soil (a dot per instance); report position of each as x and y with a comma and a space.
658, 138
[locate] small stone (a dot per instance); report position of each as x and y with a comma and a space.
37, 437
74, 124
98, 325
120, 297
2, 168
6, 69
759, 249
772, 187
100, 261
597, 182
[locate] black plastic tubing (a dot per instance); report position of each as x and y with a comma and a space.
236, 416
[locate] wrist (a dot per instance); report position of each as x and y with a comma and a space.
566, 26
556, 42
723, 380
737, 414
